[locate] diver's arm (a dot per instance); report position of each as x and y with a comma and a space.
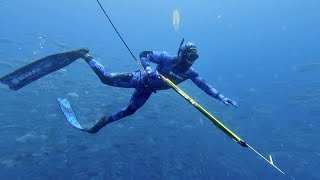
145, 58
152, 56
200, 82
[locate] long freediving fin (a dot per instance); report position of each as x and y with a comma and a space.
40, 68
69, 114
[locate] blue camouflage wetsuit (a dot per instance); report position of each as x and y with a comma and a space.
177, 68
146, 82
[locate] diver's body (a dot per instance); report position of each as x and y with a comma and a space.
176, 68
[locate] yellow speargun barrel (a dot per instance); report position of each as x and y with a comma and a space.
215, 121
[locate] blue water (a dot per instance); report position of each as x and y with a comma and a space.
263, 54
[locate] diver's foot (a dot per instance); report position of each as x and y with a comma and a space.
87, 57
99, 125
83, 53
80, 53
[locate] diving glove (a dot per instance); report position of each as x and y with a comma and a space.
151, 73
227, 101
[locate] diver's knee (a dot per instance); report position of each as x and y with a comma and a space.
130, 110
106, 80
144, 54
120, 78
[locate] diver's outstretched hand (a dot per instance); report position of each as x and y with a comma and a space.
228, 101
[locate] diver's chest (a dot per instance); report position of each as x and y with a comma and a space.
169, 71
178, 76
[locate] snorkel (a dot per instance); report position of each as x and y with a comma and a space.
179, 50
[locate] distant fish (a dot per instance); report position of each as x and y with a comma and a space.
73, 94
62, 45
201, 121
26, 138
252, 90
10, 162
52, 115
307, 67
62, 71
6, 41
31, 137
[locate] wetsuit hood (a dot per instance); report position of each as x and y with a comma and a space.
187, 54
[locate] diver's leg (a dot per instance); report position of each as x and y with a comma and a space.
138, 98
40, 68
72, 55
125, 80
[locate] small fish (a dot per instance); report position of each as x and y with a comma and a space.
5, 41
73, 94
62, 45
201, 121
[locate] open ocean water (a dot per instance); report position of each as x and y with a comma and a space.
263, 54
